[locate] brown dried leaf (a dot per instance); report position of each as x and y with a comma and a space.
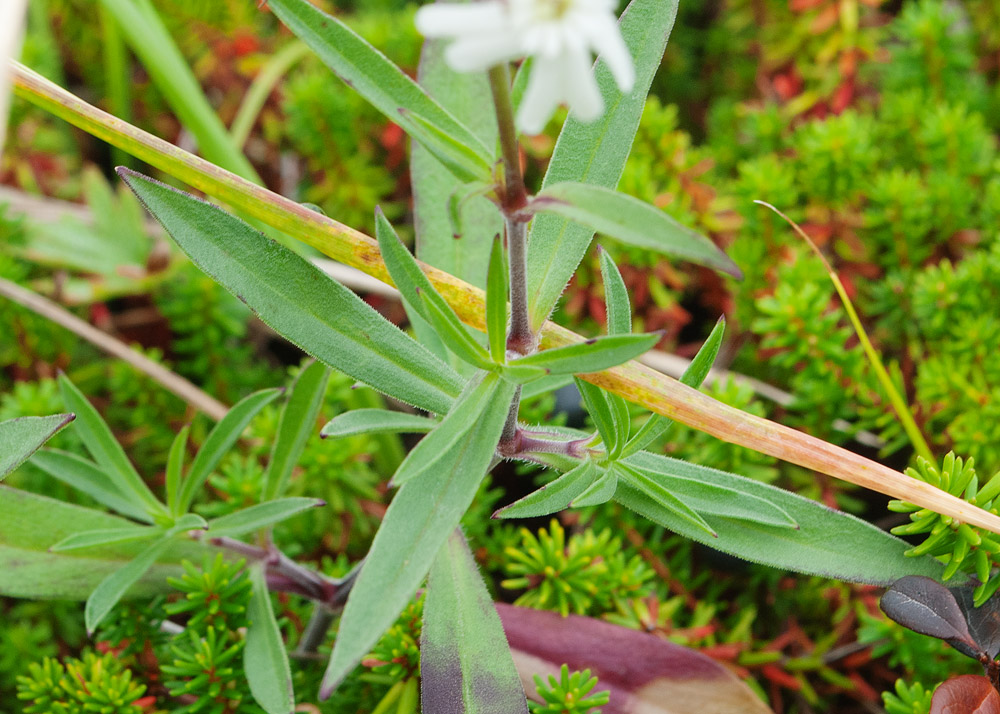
968, 694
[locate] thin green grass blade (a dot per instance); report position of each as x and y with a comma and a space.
616, 299
113, 588
260, 515
496, 302
111, 536
219, 441
298, 422
175, 469
376, 421
594, 355
554, 496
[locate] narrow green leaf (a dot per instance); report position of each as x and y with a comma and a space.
455, 335
371, 74
464, 416
220, 440
714, 499
28, 569
545, 385
600, 491
828, 543
659, 495
554, 496
466, 164
465, 663
375, 421
265, 658
496, 302
524, 374
605, 417
593, 355
632, 222
453, 235
693, 376
109, 536
187, 522
615, 296
107, 452
318, 314
113, 588
20, 438
90, 479
421, 296
422, 514
298, 421
175, 469
260, 515
595, 153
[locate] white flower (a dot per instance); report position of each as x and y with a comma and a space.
11, 12
558, 34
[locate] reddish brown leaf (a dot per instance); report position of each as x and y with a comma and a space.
928, 607
968, 694
644, 674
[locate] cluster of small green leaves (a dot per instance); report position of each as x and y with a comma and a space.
397, 655
908, 698
963, 548
570, 693
585, 574
93, 683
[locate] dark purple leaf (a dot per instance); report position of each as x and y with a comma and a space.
928, 607
968, 694
642, 672
983, 621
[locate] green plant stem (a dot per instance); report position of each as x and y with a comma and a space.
635, 382
899, 404
263, 84
520, 338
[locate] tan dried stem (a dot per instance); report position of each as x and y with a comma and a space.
635, 382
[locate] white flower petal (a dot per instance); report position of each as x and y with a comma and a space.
11, 14
480, 52
460, 19
582, 93
611, 47
540, 98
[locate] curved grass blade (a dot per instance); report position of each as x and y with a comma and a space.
298, 421
496, 302
260, 515
113, 588
175, 469
110, 536
659, 495
21, 437
631, 221
465, 664
376, 421
657, 425
265, 658
593, 355
372, 74
714, 499
86, 477
554, 496
318, 314
220, 440
107, 452
615, 296
595, 153
828, 543
421, 516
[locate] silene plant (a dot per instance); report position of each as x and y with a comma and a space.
494, 257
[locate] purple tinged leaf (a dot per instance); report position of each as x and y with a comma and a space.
465, 664
968, 694
927, 607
